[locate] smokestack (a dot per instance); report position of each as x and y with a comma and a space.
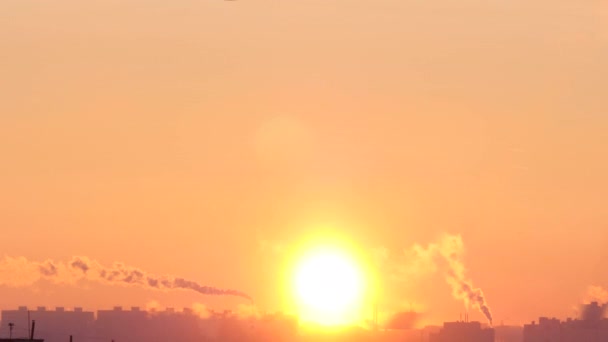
33, 328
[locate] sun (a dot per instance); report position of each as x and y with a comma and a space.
329, 287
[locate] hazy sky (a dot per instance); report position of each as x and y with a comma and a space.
181, 136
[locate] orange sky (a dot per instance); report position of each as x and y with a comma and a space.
180, 136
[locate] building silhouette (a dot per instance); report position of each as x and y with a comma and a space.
592, 327
508, 333
136, 325
463, 331
53, 325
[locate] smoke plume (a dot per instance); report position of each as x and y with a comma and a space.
446, 254
19, 272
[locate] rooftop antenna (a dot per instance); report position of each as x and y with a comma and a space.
10, 329
33, 327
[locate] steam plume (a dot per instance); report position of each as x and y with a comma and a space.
593, 311
445, 254
596, 304
451, 249
597, 294
22, 272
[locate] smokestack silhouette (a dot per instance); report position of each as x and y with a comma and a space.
22, 272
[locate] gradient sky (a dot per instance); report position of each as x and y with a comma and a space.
181, 136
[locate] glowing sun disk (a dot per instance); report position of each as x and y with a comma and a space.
329, 288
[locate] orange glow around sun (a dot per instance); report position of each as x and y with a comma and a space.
329, 287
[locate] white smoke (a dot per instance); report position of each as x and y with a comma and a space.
446, 254
596, 294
